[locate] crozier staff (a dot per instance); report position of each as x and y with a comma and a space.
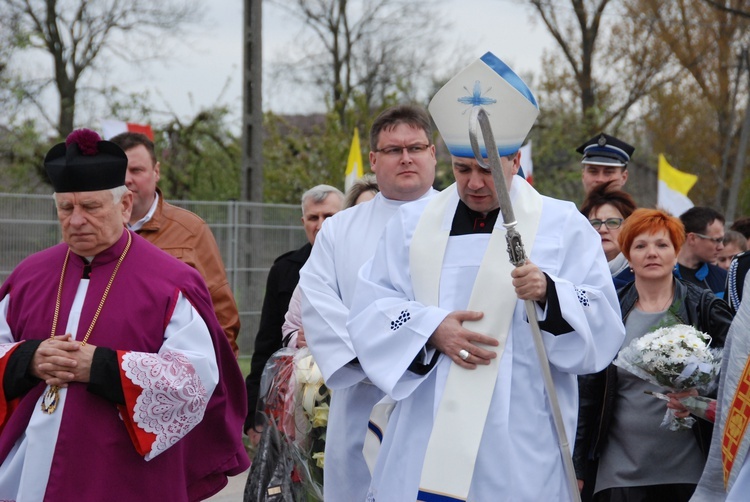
116, 377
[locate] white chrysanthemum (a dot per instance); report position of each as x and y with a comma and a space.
680, 356
661, 355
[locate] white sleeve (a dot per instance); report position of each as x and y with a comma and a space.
388, 328
167, 393
571, 254
6, 337
324, 313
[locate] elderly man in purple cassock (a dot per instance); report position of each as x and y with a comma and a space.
117, 380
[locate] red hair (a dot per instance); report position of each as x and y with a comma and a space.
650, 221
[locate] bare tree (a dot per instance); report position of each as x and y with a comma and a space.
363, 49
78, 34
611, 73
9, 42
721, 6
705, 41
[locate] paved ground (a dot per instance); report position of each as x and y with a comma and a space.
233, 491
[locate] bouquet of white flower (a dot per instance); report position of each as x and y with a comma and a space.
677, 357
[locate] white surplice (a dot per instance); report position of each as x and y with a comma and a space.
346, 241
518, 458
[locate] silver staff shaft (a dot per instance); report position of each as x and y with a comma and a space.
517, 257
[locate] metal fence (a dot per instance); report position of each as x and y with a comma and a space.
250, 236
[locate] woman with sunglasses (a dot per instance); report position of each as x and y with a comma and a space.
607, 208
621, 451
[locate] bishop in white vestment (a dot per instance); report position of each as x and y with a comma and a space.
446, 255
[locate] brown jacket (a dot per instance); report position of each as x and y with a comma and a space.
188, 238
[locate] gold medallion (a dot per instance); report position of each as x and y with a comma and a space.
50, 399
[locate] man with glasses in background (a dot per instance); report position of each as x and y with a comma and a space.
704, 230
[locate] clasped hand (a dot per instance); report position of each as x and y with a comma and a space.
61, 360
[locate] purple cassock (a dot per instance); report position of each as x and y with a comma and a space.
192, 442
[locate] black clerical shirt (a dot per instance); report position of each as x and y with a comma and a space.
467, 221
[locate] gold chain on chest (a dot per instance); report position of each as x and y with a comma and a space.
101, 302
51, 397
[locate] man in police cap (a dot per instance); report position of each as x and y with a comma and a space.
116, 379
605, 158
438, 318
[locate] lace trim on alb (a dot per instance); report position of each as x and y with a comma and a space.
173, 400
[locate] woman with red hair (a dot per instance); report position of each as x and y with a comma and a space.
619, 425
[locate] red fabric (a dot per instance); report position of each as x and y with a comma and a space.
143, 129
141, 439
6, 407
738, 418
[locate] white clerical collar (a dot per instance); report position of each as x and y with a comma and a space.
138, 224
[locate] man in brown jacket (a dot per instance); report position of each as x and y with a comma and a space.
177, 231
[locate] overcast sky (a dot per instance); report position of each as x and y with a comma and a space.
208, 70
205, 70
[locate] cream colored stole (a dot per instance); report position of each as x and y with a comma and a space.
457, 431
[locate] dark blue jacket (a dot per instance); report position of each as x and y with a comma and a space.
708, 276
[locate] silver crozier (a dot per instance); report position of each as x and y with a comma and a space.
517, 255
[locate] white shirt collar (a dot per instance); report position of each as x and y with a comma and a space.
139, 224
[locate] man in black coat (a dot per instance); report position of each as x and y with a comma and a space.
318, 203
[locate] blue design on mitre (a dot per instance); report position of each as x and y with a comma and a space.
490, 83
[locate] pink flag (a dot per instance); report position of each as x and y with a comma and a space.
111, 128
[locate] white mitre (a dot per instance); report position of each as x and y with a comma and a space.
491, 84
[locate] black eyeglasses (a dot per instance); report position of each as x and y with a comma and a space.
397, 150
715, 240
611, 223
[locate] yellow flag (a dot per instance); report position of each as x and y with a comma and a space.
675, 179
674, 186
354, 165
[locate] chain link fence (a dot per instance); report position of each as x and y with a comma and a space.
250, 236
